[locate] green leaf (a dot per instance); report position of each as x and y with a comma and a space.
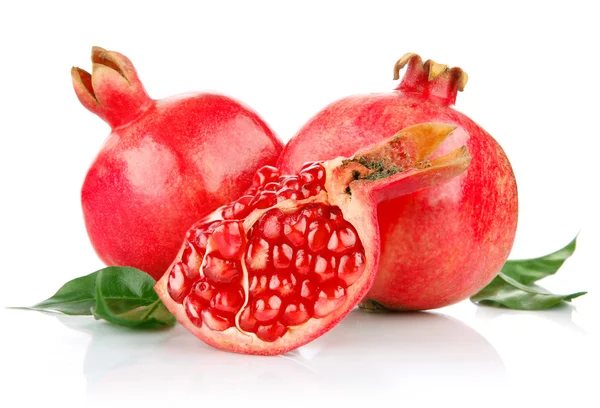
512, 287
129, 300
504, 291
527, 271
121, 295
76, 297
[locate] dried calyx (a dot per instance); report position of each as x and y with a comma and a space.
113, 90
433, 69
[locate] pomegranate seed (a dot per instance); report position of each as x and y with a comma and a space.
287, 194
229, 239
318, 235
192, 233
310, 190
283, 284
202, 292
227, 212
351, 267
192, 257
258, 284
264, 175
294, 230
267, 307
202, 241
216, 321
319, 172
325, 269
282, 256
342, 240
309, 290
336, 217
271, 332
331, 296
314, 211
291, 183
228, 300
302, 262
257, 255
193, 310
348, 237
200, 236
275, 282
240, 211
334, 243
272, 186
306, 165
179, 283
315, 173
241, 207
270, 224
212, 225
247, 321
295, 314
220, 270
264, 200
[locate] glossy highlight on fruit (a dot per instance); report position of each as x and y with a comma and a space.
287, 260
439, 245
165, 164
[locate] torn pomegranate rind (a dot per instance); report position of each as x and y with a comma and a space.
289, 259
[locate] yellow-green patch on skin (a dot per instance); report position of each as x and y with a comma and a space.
380, 169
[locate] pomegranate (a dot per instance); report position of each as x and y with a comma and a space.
291, 257
165, 164
443, 244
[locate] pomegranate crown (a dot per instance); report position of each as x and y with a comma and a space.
433, 80
113, 90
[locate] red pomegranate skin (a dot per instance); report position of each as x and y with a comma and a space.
165, 164
443, 244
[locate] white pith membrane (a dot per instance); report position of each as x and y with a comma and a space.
355, 187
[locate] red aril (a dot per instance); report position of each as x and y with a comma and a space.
166, 163
286, 270
443, 244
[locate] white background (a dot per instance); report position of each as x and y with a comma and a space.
534, 80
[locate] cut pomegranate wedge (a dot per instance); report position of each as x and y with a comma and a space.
289, 259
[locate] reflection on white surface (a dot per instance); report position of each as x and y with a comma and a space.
448, 358
377, 351
561, 315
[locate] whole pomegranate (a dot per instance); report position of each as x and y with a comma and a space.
165, 164
443, 244
291, 257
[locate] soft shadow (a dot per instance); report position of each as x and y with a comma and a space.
562, 315
377, 351
405, 350
111, 346
124, 362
